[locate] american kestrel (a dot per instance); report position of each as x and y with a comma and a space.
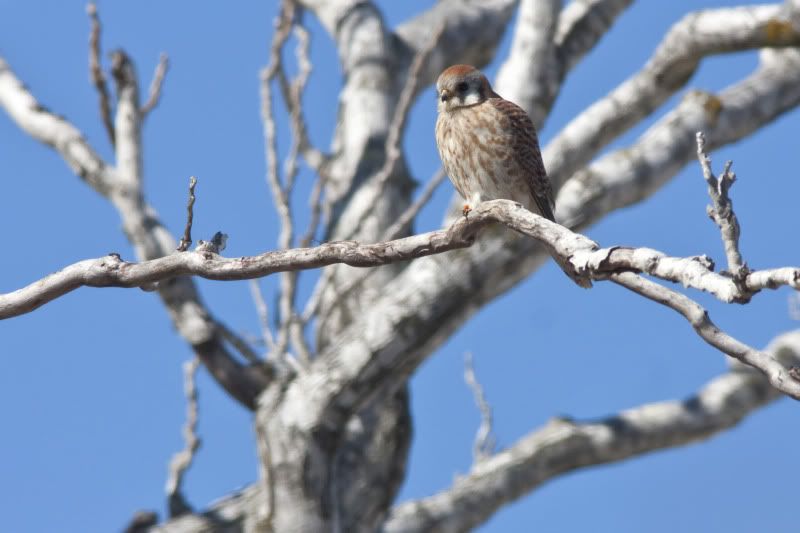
488, 145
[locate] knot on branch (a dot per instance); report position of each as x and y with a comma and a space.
122, 69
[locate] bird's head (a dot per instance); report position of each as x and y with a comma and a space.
462, 86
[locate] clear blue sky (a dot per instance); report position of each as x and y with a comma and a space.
91, 398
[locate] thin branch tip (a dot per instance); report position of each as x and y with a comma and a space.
721, 209
156, 85
182, 460
186, 240
483, 446
96, 75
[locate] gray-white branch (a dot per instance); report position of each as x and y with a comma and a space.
565, 445
696, 36
583, 258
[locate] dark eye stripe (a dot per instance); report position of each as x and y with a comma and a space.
462, 87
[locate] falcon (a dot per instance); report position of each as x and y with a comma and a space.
488, 145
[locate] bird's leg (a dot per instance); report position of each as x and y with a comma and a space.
471, 203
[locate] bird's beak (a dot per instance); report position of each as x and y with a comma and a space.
444, 95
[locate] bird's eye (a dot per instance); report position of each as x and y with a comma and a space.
462, 87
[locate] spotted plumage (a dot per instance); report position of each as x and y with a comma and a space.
488, 145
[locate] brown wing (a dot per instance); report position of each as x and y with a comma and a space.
529, 158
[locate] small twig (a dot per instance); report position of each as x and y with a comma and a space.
315, 207
182, 460
292, 95
393, 153
298, 341
397, 125
96, 72
186, 240
393, 232
314, 301
403, 221
779, 377
721, 210
156, 85
484, 441
281, 192
263, 314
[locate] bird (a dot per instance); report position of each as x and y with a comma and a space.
488, 145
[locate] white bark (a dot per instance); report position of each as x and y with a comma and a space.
122, 186
563, 445
333, 437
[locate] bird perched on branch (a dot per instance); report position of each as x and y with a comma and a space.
488, 145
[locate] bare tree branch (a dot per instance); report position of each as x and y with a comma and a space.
578, 253
548, 43
122, 186
425, 303
96, 72
182, 460
239, 344
292, 93
530, 76
559, 447
281, 192
404, 221
455, 286
186, 240
398, 123
333, 434
696, 36
377, 184
777, 374
721, 210
564, 445
128, 134
154, 94
573, 251
263, 314
627, 176
54, 131
472, 31
483, 446
581, 25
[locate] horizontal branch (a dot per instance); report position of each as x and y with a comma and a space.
415, 313
578, 255
581, 256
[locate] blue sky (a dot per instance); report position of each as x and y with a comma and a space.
91, 390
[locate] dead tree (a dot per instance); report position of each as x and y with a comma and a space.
332, 413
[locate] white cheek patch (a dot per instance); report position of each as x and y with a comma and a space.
471, 98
